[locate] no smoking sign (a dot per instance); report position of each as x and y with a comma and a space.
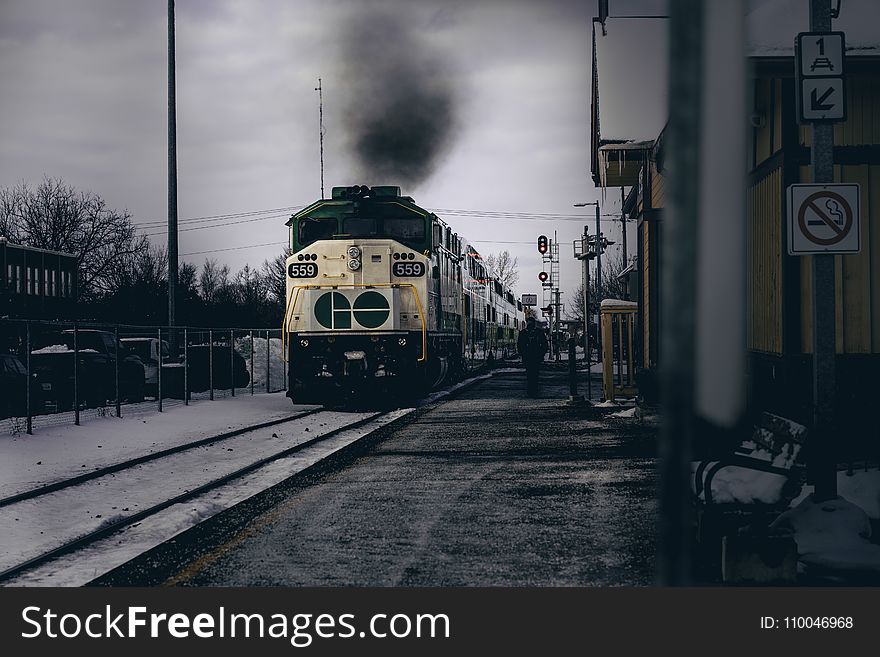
823, 218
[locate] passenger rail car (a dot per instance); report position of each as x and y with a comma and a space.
382, 294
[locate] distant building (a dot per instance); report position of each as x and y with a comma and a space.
779, 294
36, 283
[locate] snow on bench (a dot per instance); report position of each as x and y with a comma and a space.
765, 469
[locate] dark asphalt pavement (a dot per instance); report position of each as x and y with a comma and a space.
489, 488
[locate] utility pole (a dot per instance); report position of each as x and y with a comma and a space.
556, 292
597, 251
623, 227
824, 306
583, 254
172, 175
320, 91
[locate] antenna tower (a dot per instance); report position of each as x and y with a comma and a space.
320, 91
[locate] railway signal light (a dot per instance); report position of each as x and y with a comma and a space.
542, 244
543, 277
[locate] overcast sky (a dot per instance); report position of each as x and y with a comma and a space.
85, 99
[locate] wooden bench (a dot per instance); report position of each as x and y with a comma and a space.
746, 488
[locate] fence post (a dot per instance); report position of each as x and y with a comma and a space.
159, 369
75, 376
116, 372
573, 396
232, 361
252, 363
30, 426
185, 370
211, 363
268, 364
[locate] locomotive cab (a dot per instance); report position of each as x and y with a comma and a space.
357, 289
383, 296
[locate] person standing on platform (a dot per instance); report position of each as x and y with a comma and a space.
532, 345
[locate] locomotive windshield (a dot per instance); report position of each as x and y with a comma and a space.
312, 229
359, 227
407, 229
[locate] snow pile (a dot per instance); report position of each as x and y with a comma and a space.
277, 366
832, 535
862, 488
608, 403
54, 349
613, 303
629, 413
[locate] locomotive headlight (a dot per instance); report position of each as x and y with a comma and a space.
303, 343
401, 342
354, 253
354, 264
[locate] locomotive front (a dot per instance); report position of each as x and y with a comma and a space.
356, 318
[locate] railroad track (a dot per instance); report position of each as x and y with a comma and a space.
52, 521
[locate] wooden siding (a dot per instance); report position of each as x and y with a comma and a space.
765, 264
644, 236
857, 276
862, 125
658, 188
767, 139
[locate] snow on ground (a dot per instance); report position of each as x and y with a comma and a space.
36, 526
61, 452
832, 536
628, 413
862, 488
81, 567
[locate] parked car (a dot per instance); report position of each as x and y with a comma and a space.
229, 366
147, 349
13, 388
52, 360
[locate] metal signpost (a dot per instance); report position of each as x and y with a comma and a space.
823, 220
585, 254
821, 93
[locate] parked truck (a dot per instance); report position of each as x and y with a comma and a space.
94, 378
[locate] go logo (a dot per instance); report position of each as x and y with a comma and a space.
333, 310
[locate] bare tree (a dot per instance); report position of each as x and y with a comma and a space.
275, 273
612, 287
504, 268
55, 216
213, 281
251, 289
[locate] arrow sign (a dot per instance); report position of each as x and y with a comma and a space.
822, 99
817, 104
819, 67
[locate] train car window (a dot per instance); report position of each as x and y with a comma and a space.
359, 227
438, 235
312, 229
406, 230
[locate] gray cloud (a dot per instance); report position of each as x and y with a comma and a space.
399, 95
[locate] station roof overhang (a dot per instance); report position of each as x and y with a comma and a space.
619, 161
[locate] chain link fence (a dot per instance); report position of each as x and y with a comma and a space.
54, 373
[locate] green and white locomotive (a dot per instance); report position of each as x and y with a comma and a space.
383, 296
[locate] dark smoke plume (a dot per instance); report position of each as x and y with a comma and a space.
400, 103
